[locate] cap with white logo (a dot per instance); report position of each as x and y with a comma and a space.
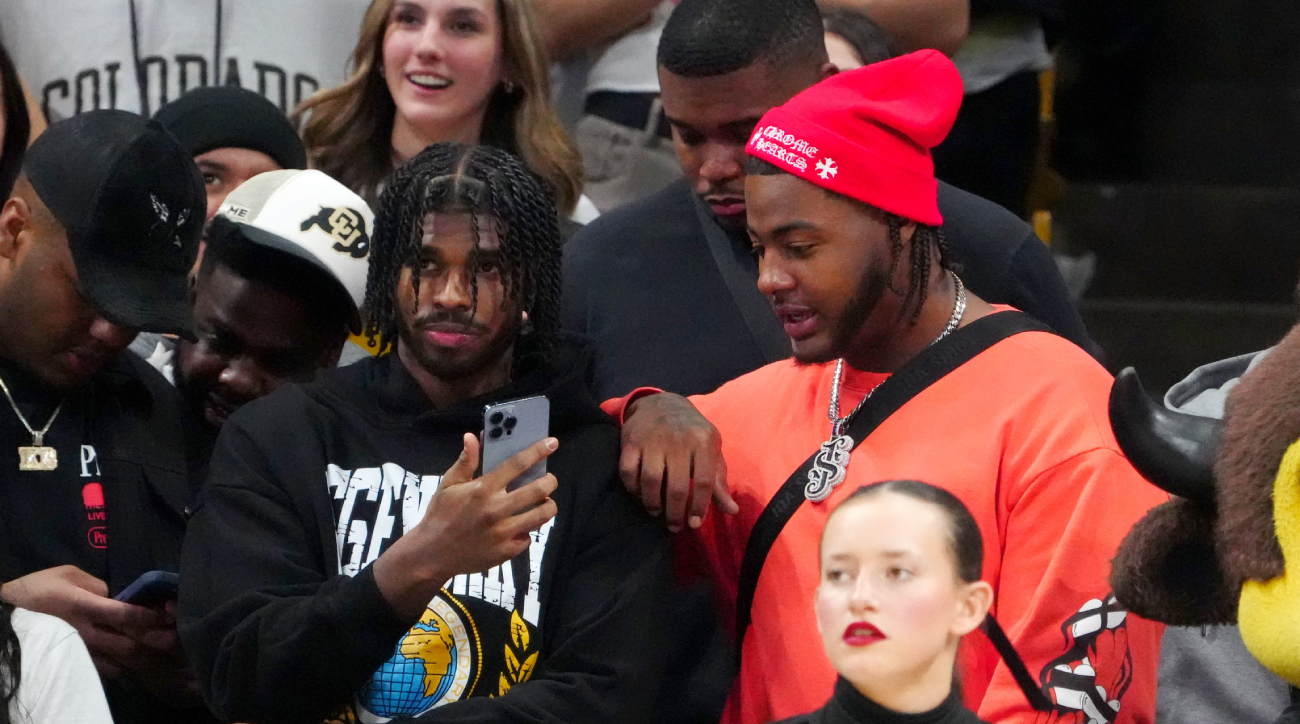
311, 216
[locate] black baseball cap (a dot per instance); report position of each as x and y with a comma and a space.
133, 205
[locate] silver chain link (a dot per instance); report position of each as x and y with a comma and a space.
958, 311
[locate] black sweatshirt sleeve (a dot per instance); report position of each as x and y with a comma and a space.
273, 634
604, 632
1035, 286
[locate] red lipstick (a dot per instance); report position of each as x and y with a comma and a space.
861, 633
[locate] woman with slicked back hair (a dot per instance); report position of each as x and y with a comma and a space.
900, 585
427, 71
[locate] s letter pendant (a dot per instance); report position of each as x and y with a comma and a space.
829, 468
37, 458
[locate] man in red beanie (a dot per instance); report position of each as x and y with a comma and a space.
900, 373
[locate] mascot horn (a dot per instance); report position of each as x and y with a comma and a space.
1226, 550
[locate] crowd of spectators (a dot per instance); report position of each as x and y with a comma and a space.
280, 279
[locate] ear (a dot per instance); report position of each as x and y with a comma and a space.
907, 231
15, 218
972, 607
827, 70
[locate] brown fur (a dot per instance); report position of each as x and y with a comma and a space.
1263, 420
1166, 569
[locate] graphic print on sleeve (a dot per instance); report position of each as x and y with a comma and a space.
1089, 680
478, 637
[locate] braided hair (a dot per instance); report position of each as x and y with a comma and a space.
926, 242
486, 183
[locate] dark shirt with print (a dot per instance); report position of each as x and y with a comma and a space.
56, 517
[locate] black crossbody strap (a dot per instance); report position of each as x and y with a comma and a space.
1016, 665
927, 368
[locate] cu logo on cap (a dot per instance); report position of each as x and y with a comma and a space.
348, 228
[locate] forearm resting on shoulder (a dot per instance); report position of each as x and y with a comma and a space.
916, 24
571, 26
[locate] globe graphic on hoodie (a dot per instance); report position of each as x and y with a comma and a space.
419, 673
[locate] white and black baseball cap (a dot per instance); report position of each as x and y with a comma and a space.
310, 216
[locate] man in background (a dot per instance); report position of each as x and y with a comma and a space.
234, 134
667, 287
608, 92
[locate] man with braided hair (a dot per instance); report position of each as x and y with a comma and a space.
665, 287
898, 373
335, 572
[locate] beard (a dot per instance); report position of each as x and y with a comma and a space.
870, 289
449, 367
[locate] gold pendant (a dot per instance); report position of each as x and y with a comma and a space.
37, 458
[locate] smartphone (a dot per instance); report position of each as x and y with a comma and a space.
511, 427
151, 590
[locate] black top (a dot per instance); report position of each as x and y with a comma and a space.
279, 610
128, 430
848, 706
643, 284
50, 518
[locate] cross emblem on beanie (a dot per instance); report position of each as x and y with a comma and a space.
827, 169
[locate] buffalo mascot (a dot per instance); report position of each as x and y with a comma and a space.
1226, 548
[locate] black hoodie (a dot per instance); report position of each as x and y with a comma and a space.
279, 611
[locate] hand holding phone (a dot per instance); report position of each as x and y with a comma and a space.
151, 590
472, 524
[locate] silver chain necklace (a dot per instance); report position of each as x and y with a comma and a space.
38, 456
832, 460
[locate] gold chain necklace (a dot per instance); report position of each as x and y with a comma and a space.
38, 456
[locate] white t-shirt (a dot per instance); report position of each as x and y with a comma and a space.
628, 65
78, 55
59, 684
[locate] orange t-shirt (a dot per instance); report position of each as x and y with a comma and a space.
1021, 435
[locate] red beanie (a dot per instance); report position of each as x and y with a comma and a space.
867, 133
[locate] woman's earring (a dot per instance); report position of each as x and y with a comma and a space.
527, 326
508, 86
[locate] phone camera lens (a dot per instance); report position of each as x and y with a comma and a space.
495, 433
511, 422
496, 418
